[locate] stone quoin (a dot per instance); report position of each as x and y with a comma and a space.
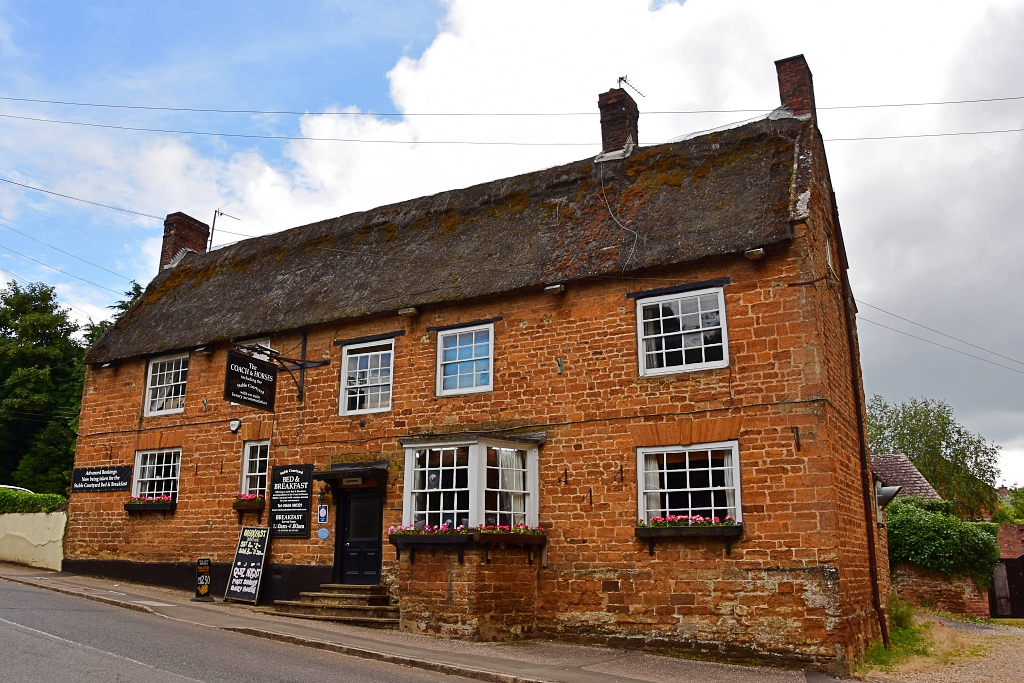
663, 330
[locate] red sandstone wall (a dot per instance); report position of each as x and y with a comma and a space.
940, 592
794, 587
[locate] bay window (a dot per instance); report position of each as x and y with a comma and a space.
471, 483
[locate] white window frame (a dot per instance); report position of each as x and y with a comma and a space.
354, 350
737, 487
477, 477
707, 365
149, 378
138, 479
441, 334
244, 488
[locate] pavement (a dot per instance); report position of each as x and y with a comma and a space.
519, 661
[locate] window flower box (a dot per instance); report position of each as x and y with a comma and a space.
682, 531
141, 504
529, 538
249, 503
411, 539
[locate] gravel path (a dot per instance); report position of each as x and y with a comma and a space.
1004, 663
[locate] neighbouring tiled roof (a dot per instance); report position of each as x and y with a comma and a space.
896, 470
715, 194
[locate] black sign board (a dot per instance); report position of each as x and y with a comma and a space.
291, 494
116, 478
247, 567
250, 381
203, 580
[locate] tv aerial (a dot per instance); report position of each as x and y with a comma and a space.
623, 79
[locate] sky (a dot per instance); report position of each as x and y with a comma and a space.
932, 225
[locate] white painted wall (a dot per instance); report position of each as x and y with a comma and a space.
35, 539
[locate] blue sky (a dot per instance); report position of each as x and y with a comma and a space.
932, 225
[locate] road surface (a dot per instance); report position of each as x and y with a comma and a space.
54, 638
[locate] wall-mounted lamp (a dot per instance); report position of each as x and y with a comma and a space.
322, 494
205, 349
884, 496
554, 289
110, 364
408, 310
754, 254
234, 426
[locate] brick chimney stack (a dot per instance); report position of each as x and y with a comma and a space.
619, 116
796, 88
181, 231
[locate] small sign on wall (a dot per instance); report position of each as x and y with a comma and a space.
321, 514
291, 496
117, 478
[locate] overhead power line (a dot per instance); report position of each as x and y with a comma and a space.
948, 336
94, 265
483, 143
79, 199
941, 346
302, 137
199, 110
47, 265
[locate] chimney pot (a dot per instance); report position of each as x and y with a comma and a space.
796, 87
181, 231
619, 117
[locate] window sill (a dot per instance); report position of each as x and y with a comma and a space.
529, 542
651, 534
413, 541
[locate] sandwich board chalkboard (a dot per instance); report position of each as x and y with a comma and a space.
247, 567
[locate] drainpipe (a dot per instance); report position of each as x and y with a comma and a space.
865, 468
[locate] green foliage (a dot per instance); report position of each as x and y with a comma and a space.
42, 370
962, 466
19, 501
1006, 515
905, 638
901, 612
41, 374
1017, 504
939, 541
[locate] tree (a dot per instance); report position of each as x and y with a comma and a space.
962, 466
41, 374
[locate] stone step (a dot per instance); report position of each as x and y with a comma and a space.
342, 613
353, 588
345, 599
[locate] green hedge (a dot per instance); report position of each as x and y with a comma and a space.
19, 501
936, 540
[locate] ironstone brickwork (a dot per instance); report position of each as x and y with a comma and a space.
796, 588
941, 592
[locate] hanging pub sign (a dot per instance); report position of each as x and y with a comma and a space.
247, 567
116, 478
291, 495
250, 381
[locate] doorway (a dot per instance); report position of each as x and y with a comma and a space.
358, 544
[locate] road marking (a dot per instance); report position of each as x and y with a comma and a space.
150, 603
94, 649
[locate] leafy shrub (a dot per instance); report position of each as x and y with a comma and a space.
19, 501
945, 507
939, 541
901, 612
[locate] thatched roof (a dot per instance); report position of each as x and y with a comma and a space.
715, 194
